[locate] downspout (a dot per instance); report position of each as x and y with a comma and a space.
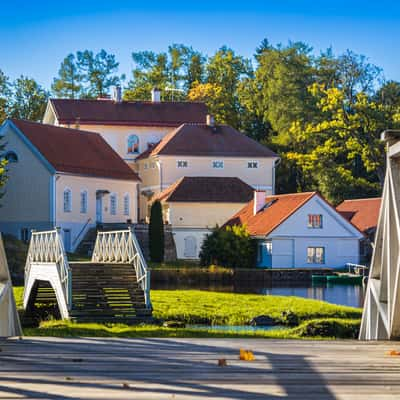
276, 163
53, 180
159, 164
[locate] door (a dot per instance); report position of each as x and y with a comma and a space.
67, 240
190, 250
99, 209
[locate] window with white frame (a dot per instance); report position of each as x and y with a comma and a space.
315, 221
146, 166
316, 255
67, 200
252, 164
182, 164
126, 204
113, 204
83, 202
218, 164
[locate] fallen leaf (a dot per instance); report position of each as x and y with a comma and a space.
246, 355
222, 362
393, 353
126, 386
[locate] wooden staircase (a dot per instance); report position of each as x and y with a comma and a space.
107, 293
113, 287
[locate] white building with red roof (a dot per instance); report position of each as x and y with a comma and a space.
299, 230
63, 177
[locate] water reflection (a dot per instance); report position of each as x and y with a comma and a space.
348, 295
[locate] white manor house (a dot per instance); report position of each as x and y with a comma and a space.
105, 161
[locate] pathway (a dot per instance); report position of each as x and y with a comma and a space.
97, 368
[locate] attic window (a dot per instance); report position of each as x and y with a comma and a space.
218, 164
11, 157
182, 164
252, 164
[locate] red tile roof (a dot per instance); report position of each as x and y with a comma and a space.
280, 208
203, 140
131, 113
75, 151
363, 213
207, 189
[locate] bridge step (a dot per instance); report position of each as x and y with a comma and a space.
107, 293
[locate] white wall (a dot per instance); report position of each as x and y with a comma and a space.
75, 220
26, 200
180, 234
292, 238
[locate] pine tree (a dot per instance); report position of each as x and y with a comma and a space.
156, 233
68, 84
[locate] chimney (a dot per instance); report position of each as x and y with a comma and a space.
210, 120
259, 201
117, 94
155, 95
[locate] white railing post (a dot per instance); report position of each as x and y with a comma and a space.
123, 247
46, 247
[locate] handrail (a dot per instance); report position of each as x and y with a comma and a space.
48, 247
122, 247
81, 231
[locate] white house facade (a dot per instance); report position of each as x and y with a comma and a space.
299, 230
65, 178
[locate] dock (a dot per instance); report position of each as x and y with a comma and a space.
151, 368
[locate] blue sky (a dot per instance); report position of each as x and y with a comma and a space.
36, 35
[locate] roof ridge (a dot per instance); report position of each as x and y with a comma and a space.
362, 199
129, 101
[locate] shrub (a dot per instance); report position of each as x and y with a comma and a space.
329, 327
156, 233
229, 247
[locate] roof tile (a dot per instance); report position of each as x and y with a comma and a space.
75, 151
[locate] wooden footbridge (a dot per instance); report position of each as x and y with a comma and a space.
113, 287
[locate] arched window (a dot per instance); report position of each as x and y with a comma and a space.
190, 250
113, 204
84, 201
126, 204
67, 200
11, 157
133, 144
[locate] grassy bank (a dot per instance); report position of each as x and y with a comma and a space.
315, 318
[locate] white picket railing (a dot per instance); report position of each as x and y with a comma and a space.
47, 247
122, 247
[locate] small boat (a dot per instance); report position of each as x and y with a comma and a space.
345, 279
318, 278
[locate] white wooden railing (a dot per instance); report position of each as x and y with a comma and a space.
47, 247
122, 247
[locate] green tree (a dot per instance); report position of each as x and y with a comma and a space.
156, 233
229, 247
98, 72
174, 72
5, 93
226, 69
68, 84
344, 156
28, 100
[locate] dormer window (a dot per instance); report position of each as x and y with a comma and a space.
182, 164
315, 221
133, 144
218, 164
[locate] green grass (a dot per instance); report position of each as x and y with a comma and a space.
318, 318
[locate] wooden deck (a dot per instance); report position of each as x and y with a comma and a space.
50, 368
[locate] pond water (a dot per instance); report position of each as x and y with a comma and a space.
348, 295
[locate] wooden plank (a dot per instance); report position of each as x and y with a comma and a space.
152, 368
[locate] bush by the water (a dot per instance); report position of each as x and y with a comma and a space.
156, 233
329, 327
231, 246
16, 252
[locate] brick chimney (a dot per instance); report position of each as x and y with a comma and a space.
155, 95
259, 200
